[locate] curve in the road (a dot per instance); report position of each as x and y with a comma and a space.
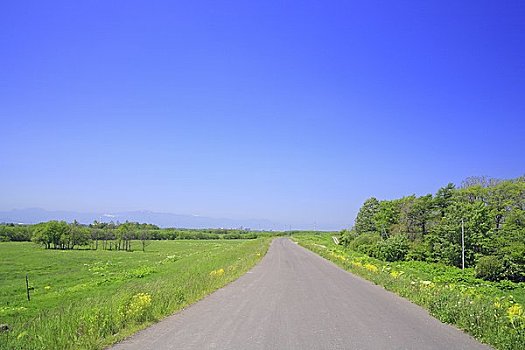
295, 299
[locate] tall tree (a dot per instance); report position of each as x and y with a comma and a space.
387, 215
421, 213
444, 198
445, 238
364, 221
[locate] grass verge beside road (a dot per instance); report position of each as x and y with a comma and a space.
491, 312
83, 299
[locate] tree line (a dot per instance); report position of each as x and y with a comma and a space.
489, 212
109, 235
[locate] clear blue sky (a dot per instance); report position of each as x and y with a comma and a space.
293, 111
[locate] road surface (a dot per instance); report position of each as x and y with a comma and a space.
294, 299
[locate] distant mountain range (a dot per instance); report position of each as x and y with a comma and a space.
36, 215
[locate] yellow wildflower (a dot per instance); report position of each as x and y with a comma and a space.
394, 274
338, 256
217, 273
138, 305
515, 312
371, 268
356, 264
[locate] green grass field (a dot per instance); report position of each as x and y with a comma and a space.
88, 299
491, 312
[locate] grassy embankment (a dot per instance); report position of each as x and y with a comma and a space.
86, 299
491, 312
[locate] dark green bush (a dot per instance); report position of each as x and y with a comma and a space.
490, 268
365, 243
393, 248
347, 236
419, 251
515, 261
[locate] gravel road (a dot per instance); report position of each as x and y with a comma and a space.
294, 299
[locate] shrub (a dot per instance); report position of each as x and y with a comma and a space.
490, 268
365, 243
346, 236
515, 261
393, 248
419, 251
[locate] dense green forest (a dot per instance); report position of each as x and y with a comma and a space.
489, 212
111, 236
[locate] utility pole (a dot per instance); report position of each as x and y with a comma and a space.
462, 245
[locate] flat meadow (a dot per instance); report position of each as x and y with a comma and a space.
88, 299
492, 312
